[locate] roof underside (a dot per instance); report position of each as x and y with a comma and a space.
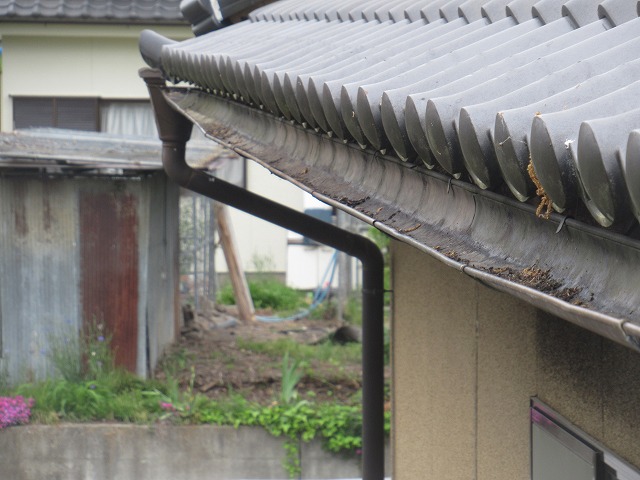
447, 125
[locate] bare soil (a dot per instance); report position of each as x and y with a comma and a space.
209, 353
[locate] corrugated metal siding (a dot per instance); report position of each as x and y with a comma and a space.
162, 277
77, 250
109, 262
39, 271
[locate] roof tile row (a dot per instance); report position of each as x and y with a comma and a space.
537, 95
113, 11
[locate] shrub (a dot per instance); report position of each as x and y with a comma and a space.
266, 293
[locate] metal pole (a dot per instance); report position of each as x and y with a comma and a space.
194, 239
213, 284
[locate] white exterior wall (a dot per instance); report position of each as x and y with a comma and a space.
73, 60
307, 266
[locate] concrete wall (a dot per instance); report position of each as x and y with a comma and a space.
130, 452
467, 360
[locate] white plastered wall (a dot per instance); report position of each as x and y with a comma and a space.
72, 60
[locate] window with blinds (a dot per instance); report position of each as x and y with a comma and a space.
77, 113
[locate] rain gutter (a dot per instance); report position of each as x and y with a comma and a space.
589, 275
174, 131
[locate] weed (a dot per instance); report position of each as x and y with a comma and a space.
175, 361
81, 356
291, 375
325, 351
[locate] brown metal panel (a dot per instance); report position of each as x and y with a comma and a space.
109, 266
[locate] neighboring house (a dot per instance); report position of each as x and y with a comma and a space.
74, 65
83, 243
501, 151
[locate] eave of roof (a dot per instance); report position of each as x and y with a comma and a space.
480, 91
583, 274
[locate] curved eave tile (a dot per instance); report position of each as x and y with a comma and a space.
583, 274
491, 92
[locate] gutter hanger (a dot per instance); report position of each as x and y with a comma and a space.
174, 131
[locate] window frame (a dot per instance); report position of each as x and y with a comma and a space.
55, 108
608, 465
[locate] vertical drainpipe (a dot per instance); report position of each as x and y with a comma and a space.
174, 131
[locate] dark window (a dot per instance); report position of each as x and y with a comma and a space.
58, 112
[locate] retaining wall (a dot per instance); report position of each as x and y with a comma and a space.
157, 452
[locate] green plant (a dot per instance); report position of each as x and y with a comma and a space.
175, 361
117, 396
266, 293
291, 375
65, 353
324, 351
81, 355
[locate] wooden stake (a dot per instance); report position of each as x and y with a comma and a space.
236, 274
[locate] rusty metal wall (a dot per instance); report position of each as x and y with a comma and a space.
75, 251
109, 264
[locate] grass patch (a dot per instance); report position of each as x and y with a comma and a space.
324, 352
117, 396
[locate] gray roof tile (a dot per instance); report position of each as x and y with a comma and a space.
477, 89
92, 11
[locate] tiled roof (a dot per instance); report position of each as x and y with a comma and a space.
92, 11
478, 89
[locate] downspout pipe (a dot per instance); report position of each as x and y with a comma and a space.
174, 131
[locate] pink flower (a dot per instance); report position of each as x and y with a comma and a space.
14, 410
167, 406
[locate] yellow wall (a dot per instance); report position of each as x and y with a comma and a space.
467, 360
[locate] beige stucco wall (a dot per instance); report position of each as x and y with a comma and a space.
467, 360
